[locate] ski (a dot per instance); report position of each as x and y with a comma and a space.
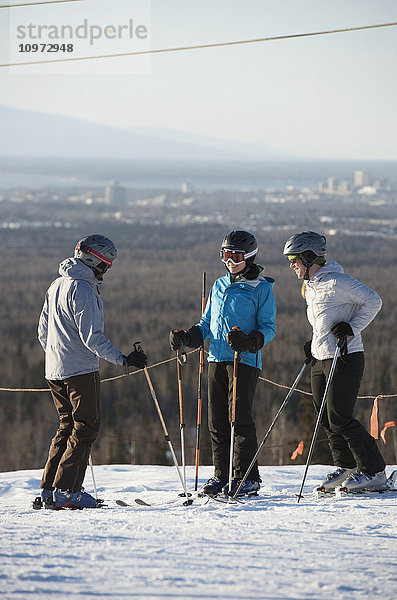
141, 502
38, 504
341, 492
225, 499
136, 500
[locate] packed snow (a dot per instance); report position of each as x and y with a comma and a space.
270, 547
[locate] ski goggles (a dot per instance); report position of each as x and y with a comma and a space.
292, 258
236, 256
84, 248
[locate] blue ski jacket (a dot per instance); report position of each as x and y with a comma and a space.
247, 304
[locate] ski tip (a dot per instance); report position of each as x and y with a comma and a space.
141, 502
122, 503
319, 492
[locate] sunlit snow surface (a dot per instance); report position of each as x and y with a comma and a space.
270, 547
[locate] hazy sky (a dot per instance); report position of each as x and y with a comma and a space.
327, 96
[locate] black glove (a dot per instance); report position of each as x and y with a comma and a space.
340, 329
241, 342
257, 340
307, 347
192, 338
136, 358
178, 338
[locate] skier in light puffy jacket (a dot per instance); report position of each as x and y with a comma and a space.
242, 298
70, 331
338, 308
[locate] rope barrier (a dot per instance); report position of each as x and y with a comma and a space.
168, 360
102, 381
133, 440
286, 387
201, 46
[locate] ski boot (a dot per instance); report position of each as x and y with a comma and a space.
213, 487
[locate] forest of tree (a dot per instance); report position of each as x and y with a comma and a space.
155, 286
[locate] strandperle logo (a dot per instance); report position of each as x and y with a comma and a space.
84, 31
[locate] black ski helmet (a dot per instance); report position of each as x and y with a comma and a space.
242, 241
96, 251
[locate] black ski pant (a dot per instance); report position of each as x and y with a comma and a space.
220, 394
77, 402
350, 443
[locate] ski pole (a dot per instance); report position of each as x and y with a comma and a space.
284, 404
234, 397
199, 396
320, 414
92, 475
166, 435
179, 353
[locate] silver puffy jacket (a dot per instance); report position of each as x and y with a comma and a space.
332, 296
71, 324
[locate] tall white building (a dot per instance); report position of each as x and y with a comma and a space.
361, 178
114, 193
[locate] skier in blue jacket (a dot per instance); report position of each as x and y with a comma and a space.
241, 299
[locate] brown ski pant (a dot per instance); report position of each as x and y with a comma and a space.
78, 404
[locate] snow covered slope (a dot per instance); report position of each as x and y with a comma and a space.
268, 548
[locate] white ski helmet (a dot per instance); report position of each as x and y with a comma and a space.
309, 245
96, 251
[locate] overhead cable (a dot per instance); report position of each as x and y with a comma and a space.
202, 46
34, 3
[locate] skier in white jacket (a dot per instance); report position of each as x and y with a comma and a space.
338, 308
70, 331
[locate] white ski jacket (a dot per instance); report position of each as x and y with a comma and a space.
71, 324
332, 296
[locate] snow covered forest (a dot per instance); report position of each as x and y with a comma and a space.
154, 286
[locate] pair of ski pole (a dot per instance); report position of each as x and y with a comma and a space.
283, 405
181, 359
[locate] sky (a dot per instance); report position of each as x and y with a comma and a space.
328, 96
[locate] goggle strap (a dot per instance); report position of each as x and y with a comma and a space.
246, 254
88, 250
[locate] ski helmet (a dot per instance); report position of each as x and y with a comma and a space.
241, 241
96, 251
309, 246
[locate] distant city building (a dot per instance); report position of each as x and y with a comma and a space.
334, 186
367, 190
187, 187
114, 193
361, 179
343, 187
331, 184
